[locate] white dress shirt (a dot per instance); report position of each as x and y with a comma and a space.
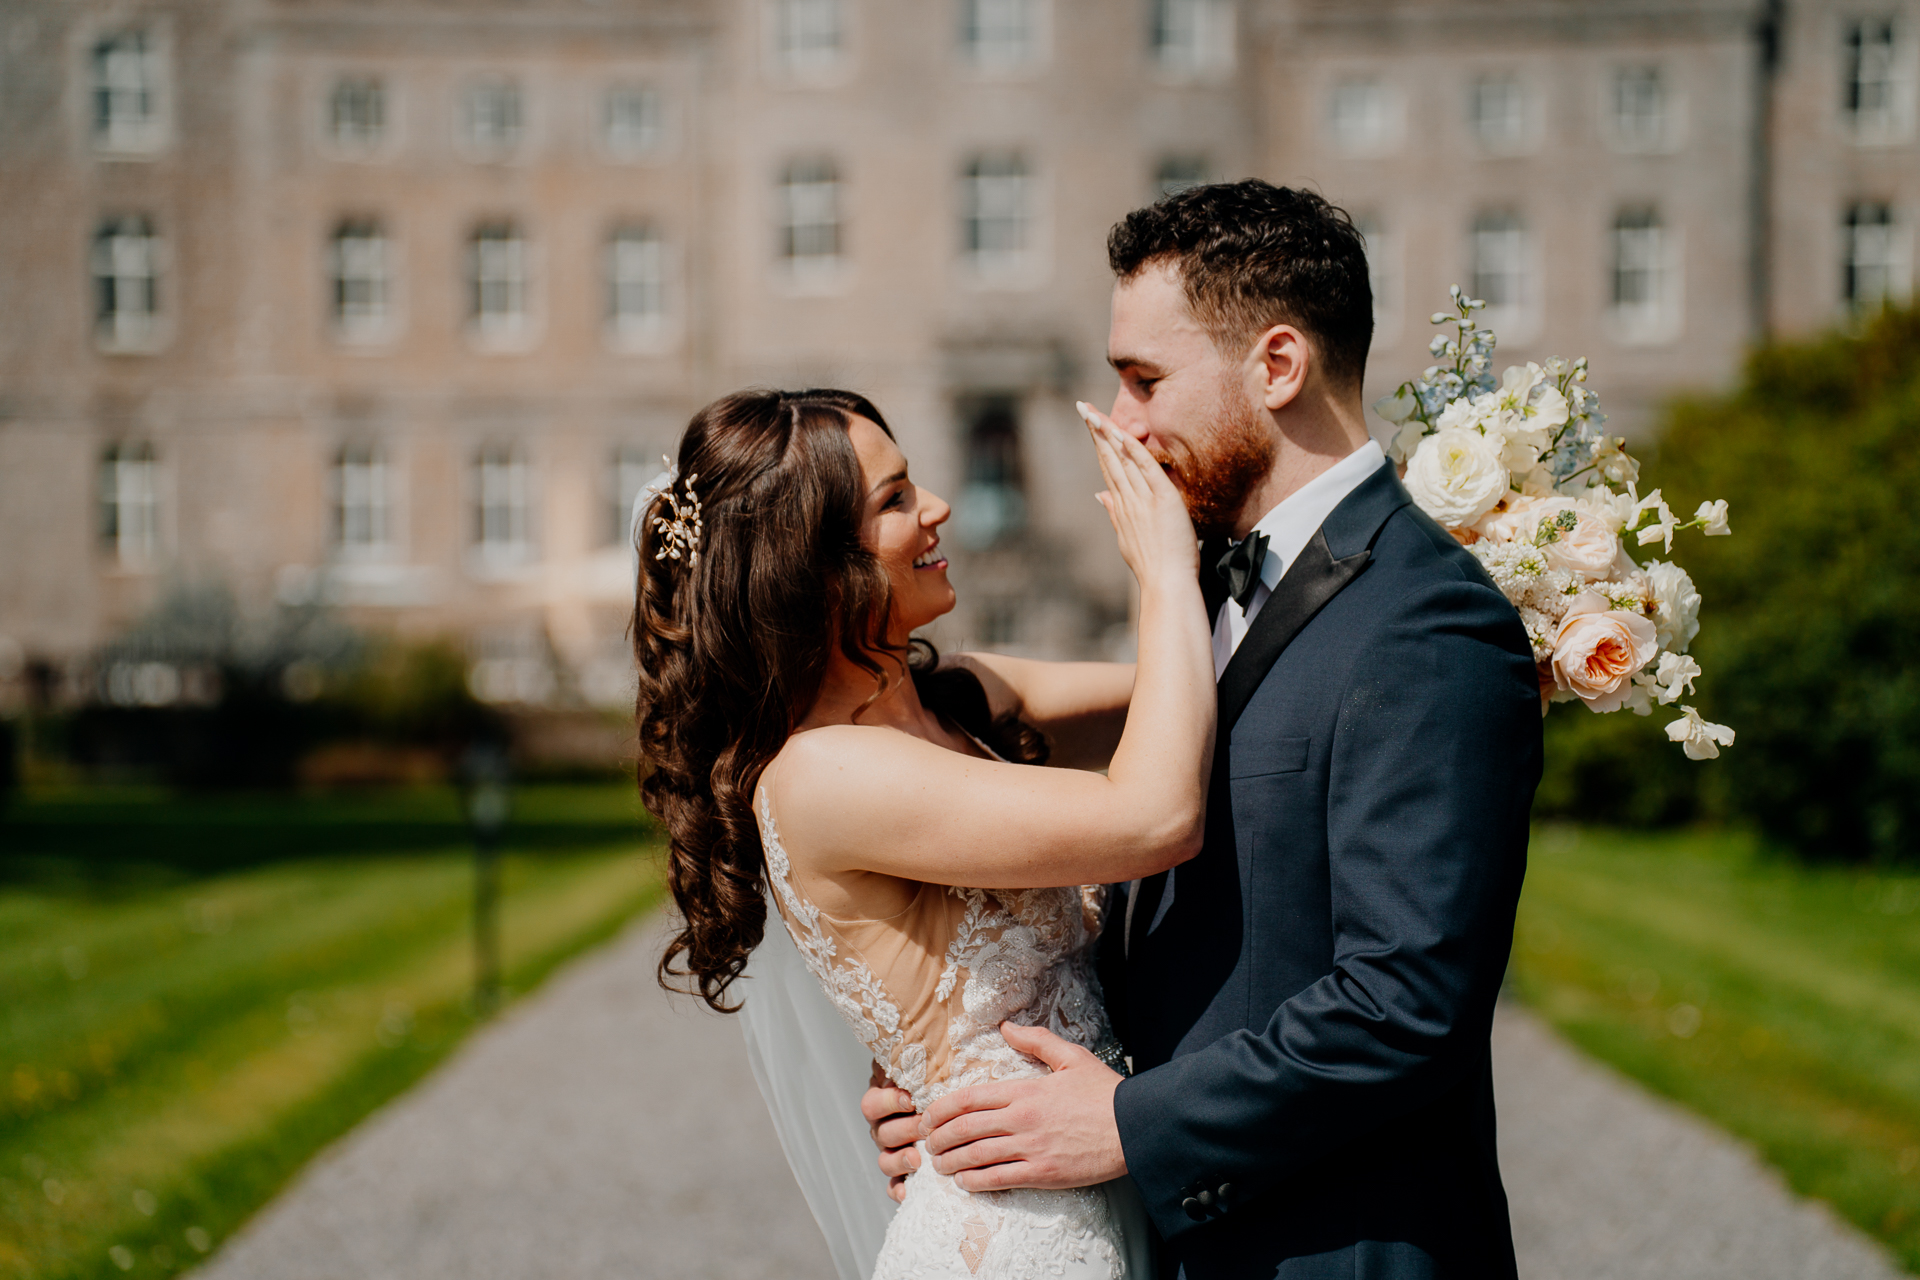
1289, 528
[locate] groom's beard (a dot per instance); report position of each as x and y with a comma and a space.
1216, 476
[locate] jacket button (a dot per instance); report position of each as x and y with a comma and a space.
1225, 1192
1194, 1208
1206, 1199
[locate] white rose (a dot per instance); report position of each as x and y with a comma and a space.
1702, 739
1676, 605
1455, 476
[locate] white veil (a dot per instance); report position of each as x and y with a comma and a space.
812, 1070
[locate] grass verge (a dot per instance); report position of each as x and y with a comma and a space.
1780, 1001
185, 1020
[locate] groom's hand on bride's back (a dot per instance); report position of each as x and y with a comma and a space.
895, 1126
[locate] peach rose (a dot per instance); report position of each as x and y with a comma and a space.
1598, 649
1588, 549
1509, 520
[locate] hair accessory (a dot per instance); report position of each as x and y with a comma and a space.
682, 533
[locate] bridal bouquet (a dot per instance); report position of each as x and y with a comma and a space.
1520, 472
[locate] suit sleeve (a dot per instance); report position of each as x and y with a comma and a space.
1434, 760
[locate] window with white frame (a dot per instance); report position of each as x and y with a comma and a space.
493, 119
1497, 110
360, 263
631, 468
996, 218
636, 284
127, 257
1003, 35
503, 505
1383, 274
809, 36
498, 275
129, 92
1193, 37
357, 113
634, 121
361, 485
810, 235
1363, 116
1639, 109
130, 502
1875, 267
1645, 283
1179, 172
1499, 262
1871, 92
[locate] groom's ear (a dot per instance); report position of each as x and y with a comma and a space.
1282, 358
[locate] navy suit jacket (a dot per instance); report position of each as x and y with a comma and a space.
1308, 1001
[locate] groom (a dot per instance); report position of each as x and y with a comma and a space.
1307, 1002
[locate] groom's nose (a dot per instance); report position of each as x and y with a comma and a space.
1129, 416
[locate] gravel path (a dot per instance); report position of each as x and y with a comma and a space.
1608, 1182
602, 1132
598, 1132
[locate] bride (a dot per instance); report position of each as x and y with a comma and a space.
937, 885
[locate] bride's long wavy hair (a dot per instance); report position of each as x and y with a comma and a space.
732, 648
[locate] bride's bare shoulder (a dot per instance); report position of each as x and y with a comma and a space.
835, 772
824, 757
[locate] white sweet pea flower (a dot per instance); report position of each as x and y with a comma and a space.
1455, 476
1614, 463
1407, 439
1676, 605
1664, 522
1701, 739
1713, 516
1396, 408
1675, 676
1640, 696
1465, 412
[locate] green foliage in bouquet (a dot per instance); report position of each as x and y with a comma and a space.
1815, 646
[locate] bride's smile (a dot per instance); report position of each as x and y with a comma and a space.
902, 530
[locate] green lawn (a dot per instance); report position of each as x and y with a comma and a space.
196, 995
1779, 1001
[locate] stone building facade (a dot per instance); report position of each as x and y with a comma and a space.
395, 305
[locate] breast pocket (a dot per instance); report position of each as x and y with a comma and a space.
1272, 756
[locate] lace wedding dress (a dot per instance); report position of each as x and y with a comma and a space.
926, 991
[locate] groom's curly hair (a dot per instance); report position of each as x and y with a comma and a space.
1252, 255
732, 647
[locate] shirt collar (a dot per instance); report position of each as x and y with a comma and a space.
1291, 524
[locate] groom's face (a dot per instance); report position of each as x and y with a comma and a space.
1195, 410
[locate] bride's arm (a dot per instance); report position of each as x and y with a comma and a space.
1080, 706
854, 798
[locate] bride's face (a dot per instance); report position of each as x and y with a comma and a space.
903, 530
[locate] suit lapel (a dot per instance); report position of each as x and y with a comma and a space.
1316, 577
1311, 580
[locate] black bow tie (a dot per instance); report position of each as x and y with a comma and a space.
1239, 568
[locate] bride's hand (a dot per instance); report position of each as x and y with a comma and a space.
1149, 516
